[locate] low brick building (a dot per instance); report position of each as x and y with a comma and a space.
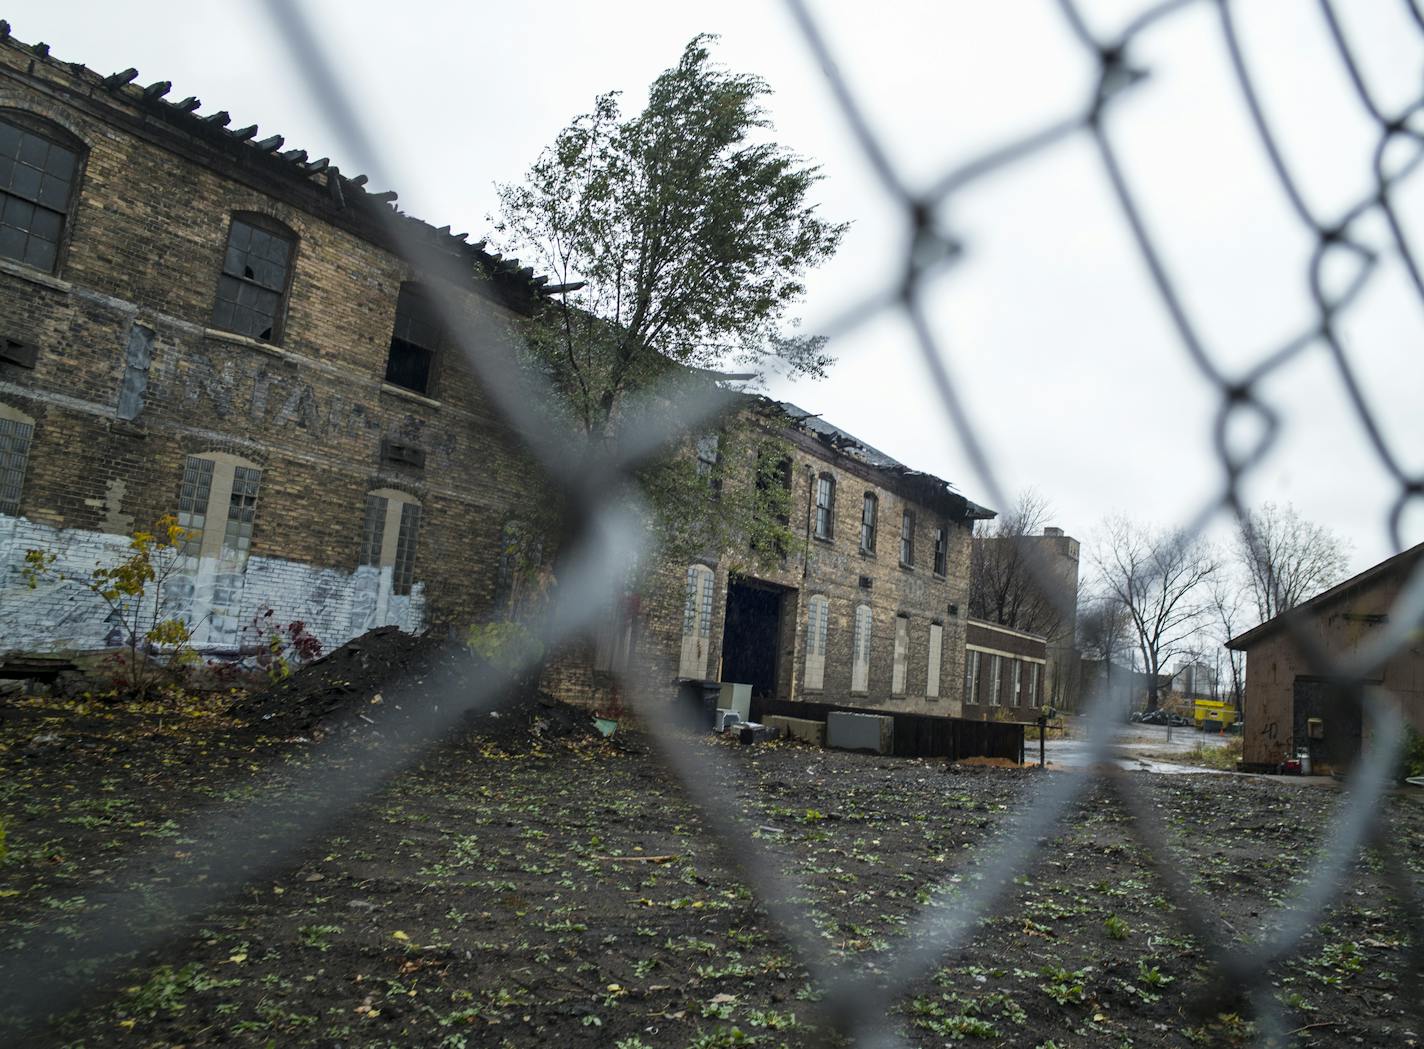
194, 321
1288, 708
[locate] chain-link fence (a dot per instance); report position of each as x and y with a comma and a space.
858, 1004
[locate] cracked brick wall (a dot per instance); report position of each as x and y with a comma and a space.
129, 378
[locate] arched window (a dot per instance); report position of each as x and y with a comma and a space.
860, 650
868, 511
389, 534
415, 340
16, 429
818, 610
39, 172
696, 622
825, 506
217, 504
256, 273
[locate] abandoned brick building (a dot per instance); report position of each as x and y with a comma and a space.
867, 612
198, 323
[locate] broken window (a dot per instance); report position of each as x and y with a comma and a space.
252, 288
16, 430
935, 660
902, 655
907, 538
39, 168
696, 622
825, 506
941, 550
860, 650
867, 523
818, 611
388, 536
414, 341
217, 504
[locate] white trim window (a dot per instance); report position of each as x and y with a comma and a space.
900, 663
860, 650
696, 622
217, 504
1016, 684
971, 677
1033, 684
818, 611
869, 509
996, 679
825, 506
935, 660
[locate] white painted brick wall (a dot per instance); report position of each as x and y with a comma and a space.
60, 616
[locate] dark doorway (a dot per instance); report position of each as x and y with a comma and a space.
751, 636
1334, 737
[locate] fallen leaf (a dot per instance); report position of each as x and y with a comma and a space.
398, 935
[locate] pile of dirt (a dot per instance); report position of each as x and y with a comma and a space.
386, 676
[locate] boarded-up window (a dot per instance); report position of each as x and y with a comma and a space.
818, 611
935, 660
860, 650
16, 429
971, 677
902, 655
617, 636
217, 504
389, 534
696, 622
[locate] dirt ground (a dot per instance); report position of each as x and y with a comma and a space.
515, 890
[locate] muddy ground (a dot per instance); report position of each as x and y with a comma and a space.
515, 891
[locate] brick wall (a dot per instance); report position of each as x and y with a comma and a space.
129, 308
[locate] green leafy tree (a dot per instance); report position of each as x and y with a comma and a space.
133, 589
687, 232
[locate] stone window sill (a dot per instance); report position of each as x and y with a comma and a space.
410, 395
34, 276
905, 566
218, 335
827, 539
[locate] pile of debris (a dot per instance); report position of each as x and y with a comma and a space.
386, 676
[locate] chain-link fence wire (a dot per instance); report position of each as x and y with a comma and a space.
234, 844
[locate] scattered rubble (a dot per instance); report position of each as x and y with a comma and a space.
384, 676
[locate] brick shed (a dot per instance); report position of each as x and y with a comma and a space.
1288, 707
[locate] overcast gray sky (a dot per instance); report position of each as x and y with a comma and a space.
1070, 369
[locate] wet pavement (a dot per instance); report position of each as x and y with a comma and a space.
1131, 746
